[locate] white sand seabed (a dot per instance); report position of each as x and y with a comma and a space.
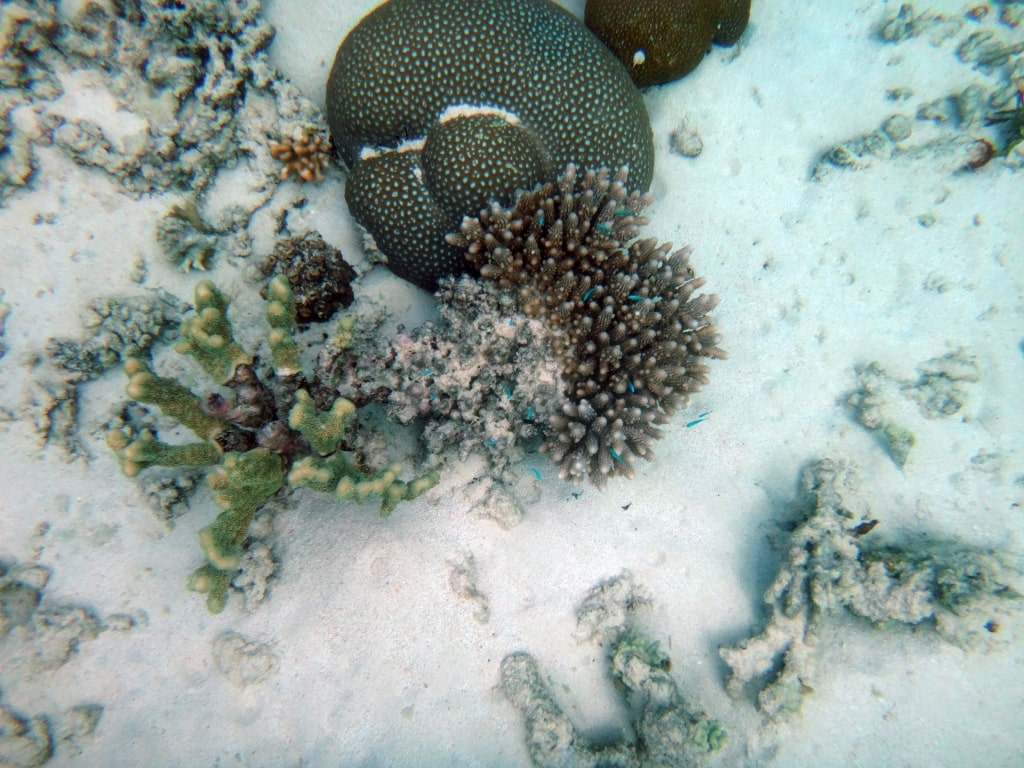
378, 661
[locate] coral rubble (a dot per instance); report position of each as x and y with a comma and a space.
669, 733
267, 434
526, 92
662, 40
832, 567
460, 378
625, 321
939, 391
38, 635
204, 61
118, 328
986, 112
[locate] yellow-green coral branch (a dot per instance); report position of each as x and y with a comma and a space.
171, 398
213, 583
324, 431
206, 335
240, 485
281, 318
147, 451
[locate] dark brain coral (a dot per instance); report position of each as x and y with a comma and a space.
662, 40
626, 323
441, 107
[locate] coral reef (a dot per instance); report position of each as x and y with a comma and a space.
625, 322
158, 97
319, 276
306, 154
414, 176
662, 40
833, 567
610, 327
206, 60
267, 434
669, 733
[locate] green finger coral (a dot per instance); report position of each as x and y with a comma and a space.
258, 439
206, 335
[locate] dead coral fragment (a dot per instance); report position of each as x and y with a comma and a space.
669, 734
306, 155
624, 318
832, 567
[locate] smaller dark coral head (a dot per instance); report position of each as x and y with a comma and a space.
626, 323
663, 40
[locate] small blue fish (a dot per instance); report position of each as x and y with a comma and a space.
701, 417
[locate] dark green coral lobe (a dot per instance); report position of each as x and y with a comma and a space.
554, 95
663, 40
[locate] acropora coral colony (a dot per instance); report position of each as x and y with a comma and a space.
267, 435
625, 322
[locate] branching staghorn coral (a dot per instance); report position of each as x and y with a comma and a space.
624, 319
267, 435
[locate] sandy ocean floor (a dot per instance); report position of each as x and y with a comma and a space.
380, 640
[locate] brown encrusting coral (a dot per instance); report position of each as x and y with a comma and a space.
625, 323
306, 154
318, 274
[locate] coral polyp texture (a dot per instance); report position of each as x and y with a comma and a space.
624, 319
662, 40
319, 276
439, 108
265, 435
